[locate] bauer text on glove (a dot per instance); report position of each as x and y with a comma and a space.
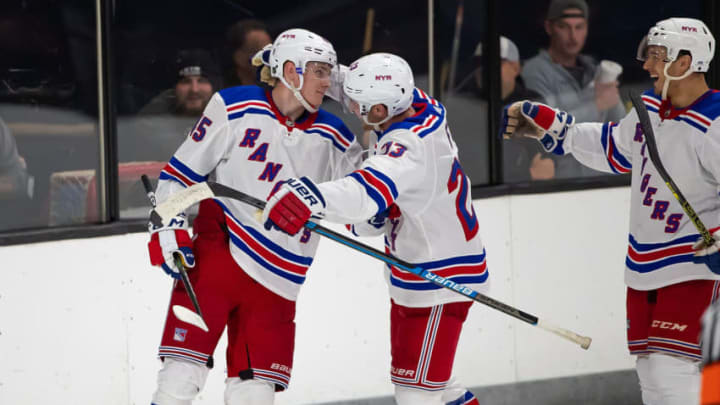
295, 202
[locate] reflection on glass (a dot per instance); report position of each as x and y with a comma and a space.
48, 102
149, 138
462, 79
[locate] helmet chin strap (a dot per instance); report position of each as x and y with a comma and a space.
296, 92
668, 78
376, 125
301, 99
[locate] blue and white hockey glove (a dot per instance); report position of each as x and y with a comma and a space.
166, 241
375, 225
709, 255
294, 203
536, 120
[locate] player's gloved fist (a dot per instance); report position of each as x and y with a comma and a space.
379, 220
536, 120
375, 225
708, 254
166, 241
292, 205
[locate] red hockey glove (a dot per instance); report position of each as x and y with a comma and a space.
292, 205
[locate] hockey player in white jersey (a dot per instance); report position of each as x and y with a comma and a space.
245, 277
416, 193
671, 275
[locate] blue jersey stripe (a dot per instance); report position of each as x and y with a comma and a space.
185, 170
608, 141
454, 261
165, 176
424, 286
282, 273
385, 179
370, 190
269, 244
240, 114
644, 247
648, 267
327, 136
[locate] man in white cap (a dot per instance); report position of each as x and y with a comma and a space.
523, 159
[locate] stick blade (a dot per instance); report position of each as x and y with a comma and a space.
183, 199
189, 316
582, 341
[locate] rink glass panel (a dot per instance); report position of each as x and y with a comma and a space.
49, 98
49, 103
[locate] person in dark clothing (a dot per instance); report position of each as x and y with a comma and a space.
245, 38
523, 159
164, 122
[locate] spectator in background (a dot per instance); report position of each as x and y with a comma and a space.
165, 121
523, 159
566, 78
197, 79
245, 38
15, 185
13, 173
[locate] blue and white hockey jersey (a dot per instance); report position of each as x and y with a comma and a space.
415, 166
661, 234
244, 142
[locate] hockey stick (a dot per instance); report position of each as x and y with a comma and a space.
455, 47
180, 312
369, 24
198, 192
655, 159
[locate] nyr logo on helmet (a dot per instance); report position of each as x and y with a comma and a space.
383, 77
291, 36
689, 29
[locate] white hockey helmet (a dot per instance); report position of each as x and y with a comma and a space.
681, 34
380, 78
300, 46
